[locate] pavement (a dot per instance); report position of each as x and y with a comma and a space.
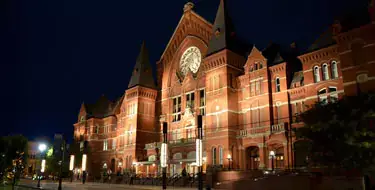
53, 185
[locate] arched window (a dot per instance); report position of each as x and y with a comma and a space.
214, 156
334, 71
277, 83
325, 72
316, 74
221, 156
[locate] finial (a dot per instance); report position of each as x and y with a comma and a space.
336, 27
188, 6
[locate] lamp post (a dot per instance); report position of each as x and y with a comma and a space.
272, 156
229, 157
199, 152
71, 167
164, 155
42, 147
61, 163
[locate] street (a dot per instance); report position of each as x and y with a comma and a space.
50, 185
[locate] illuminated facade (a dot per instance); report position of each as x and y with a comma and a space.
249, 98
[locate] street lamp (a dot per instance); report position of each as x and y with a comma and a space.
272, 156
84, 161
164, 155
199, 152
229, 157
71, 167
42, 147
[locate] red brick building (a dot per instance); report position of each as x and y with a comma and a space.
249, 98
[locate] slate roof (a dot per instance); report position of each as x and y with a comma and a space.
142, 72
324, 40
102, 108
297, 78
224, 36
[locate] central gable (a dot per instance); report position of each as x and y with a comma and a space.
190, 24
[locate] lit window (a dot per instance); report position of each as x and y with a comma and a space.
105, 144
333, 96
202, 102
114, 144
277, 81
334, 69
190, 100
316, 74
176, 109
325, 72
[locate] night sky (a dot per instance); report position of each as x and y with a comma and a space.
57, 54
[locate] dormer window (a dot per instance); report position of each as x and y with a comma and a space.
260, 66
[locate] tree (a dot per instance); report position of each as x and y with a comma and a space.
13, 149
341, 133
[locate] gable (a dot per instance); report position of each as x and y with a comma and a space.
190, 24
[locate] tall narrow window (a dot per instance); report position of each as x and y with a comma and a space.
214, 156
129, 138
257, 87
325, 72
113, 143
277, 82
255, 66
316, 74
252, 88
221, 156
334, 72
190, 100
176, 109
105, 144
202, 102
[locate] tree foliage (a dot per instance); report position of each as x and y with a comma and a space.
13, 149
341, 133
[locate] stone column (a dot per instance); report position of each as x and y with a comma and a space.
243, 158
262, 155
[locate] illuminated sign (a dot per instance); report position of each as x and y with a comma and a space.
84, 160
71, 163
164, 155
199, 153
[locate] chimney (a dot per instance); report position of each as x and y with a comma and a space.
336, 28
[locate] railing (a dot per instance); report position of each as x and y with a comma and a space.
278, 128
182, 141
253, 132
153, 145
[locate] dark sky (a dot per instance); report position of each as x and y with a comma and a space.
57, 54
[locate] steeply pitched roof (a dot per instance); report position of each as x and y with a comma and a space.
223, 36
297, 78
102, 107
324, 40
142, 72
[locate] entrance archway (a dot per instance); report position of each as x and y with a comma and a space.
113, 163
252, 158
301, 153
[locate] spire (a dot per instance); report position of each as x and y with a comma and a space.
223, 36
142, 72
